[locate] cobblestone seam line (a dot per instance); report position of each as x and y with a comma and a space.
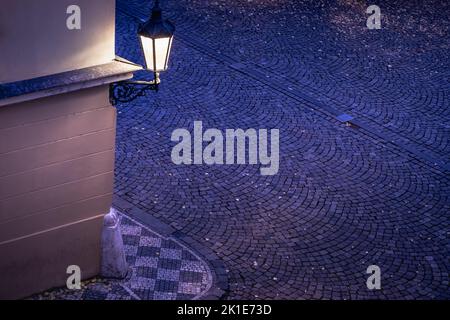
305, 95
219, 287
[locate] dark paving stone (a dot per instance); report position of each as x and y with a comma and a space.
343, 198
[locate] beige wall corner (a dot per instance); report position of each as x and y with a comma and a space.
35, 40
56, 184
57, 140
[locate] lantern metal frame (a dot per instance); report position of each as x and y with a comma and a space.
154, 28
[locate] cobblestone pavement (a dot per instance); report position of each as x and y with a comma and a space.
346, 197
160, 269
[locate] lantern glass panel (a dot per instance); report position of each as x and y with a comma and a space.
156, 59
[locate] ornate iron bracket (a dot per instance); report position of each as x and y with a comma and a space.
126, 91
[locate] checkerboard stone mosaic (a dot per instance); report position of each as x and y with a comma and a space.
159, 269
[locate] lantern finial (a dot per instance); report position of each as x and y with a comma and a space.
156, 11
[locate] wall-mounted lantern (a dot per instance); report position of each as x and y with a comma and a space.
156, 37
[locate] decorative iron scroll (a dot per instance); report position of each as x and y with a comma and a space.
126, 91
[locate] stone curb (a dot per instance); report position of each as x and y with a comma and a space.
219, 288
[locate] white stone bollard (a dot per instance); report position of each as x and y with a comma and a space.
114, 264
